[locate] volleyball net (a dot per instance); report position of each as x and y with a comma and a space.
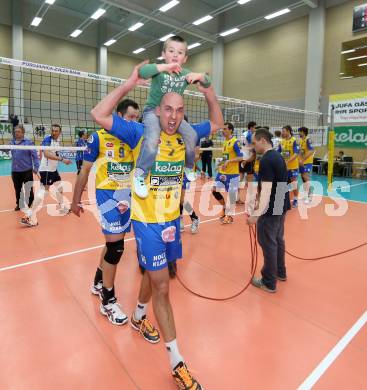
40, 95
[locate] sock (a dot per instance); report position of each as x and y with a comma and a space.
193, 216
107, 294
59, 196
174, 354
98, 276
140, 310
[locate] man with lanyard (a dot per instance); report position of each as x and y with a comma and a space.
228, 173
114, 163
289, 149
49, 176
156, 218
24, 163
306, 161
269, 213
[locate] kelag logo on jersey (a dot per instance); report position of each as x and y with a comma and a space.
167, 168
119, 168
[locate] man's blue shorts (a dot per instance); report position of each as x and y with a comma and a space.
306, 168
292, 173
229, 182
157, 243
114, 210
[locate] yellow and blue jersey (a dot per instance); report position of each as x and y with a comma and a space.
306, 146
166, 174
114, 160
231, 150
288, 148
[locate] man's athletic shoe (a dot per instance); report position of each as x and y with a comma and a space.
190, 174
182, 225
195, 225
226, 220
257, 282
96, 289
140, 187
184, 379
64, 211
146, 329
113, 312
26, 221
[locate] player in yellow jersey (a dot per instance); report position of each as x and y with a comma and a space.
289, 149
306, 161
113, 161
228, 176
156, 218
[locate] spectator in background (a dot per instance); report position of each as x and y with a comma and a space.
14, 120
81, 143
276, 139
206, 157
24, 164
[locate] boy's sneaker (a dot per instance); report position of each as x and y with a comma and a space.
113, 312
257, 282
146, 328
96, 289
190, 174
184, 379
195, 225
182, 225
140, 188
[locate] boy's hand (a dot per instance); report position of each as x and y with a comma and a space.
194, 77
172, 68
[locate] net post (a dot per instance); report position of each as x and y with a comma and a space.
331, 147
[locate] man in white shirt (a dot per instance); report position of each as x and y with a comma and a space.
49, 175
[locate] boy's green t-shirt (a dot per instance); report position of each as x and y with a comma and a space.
163, 82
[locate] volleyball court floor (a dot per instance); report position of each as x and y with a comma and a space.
53, 336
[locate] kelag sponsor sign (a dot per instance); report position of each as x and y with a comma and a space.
351, 137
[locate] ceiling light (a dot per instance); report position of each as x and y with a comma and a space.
160, 58
341, 73
202, 20
98, 13
136, 26
348, 51
356, 58
76, 33
193, 45
163, 39
169, 5
36, 21
49, 2
110, 42
241, 2
137, 51
362, 64
228, 32
346, 77
278, 13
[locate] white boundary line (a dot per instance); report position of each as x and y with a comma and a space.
45, 259
333, 354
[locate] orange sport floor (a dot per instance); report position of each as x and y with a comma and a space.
53, 336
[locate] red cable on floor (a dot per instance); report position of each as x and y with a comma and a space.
253, 245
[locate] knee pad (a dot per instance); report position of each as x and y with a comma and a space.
217, 195
114, 252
